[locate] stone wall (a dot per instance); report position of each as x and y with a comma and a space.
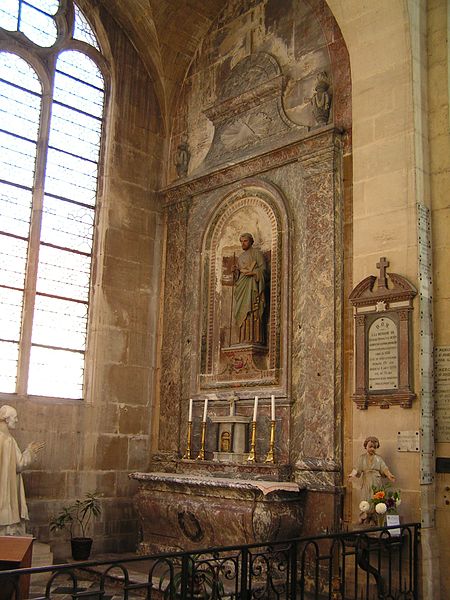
384, 206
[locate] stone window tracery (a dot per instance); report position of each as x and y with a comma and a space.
52, 97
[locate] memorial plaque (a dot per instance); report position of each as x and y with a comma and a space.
383, 307
442, 394
383, 355
408, 441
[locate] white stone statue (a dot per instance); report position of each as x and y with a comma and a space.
13, 506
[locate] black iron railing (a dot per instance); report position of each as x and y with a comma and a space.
379, 563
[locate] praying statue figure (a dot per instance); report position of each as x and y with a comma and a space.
13, 507
250, 281
371, 468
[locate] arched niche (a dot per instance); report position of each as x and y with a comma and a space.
229, 359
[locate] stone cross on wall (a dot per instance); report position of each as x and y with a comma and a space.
382, 280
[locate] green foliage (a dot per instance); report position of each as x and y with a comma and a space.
77, 516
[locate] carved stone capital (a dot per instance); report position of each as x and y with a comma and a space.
360, 320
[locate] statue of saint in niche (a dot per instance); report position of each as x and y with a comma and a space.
250, 282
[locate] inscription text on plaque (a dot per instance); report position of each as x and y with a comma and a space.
383, 355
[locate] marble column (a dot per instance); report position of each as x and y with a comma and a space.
317, 329
173, 320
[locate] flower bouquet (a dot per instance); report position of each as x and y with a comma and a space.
384, 501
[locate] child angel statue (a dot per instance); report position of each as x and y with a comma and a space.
371, 468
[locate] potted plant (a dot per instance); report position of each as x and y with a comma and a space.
75, 518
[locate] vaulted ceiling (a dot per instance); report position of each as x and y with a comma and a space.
166, 34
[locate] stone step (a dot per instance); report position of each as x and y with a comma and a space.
42, 557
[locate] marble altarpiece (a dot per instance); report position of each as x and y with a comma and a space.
284, 188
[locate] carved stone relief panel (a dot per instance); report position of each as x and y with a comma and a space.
242, 271
249, 109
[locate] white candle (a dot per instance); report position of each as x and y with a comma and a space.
190, 411
255, 408
272, 403
205, 410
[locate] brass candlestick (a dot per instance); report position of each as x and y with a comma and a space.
269, 457
188, 453
201, 454
252, 456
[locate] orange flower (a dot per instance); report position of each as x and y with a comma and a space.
379, 495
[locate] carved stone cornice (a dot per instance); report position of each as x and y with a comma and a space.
318, 474
367, 294
317, 148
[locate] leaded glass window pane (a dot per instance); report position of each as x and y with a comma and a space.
57, 322
17, 159
71, 177
75, 131
11, 302
48, 6
17, 71
83, 31
13, 258
9, 354
67, 224
56, 373
38, 26
9, 13
15, 210
63, 273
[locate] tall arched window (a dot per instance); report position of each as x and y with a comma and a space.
51, 118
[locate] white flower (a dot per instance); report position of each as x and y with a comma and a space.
398, 502
381, 508
364, 506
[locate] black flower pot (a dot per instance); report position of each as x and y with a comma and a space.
81, 548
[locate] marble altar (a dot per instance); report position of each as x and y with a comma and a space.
179, 511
